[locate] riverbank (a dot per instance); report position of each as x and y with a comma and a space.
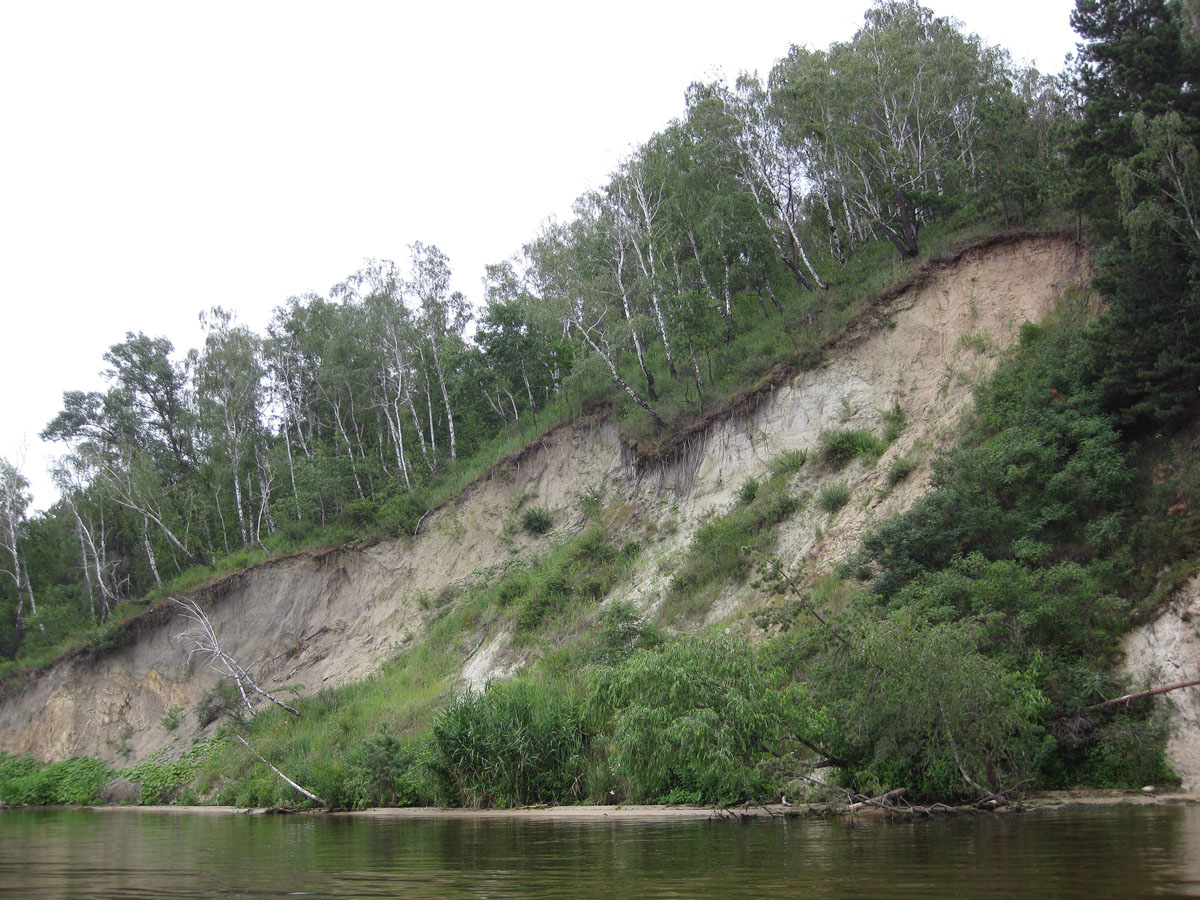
1049, 800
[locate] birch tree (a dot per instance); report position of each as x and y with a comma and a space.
441, 316
14, 500
229, 383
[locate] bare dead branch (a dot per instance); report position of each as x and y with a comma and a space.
309, 794
883, 801
202, 639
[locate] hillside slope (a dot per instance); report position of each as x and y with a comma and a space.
325, 619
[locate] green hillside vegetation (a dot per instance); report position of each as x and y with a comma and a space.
965, 653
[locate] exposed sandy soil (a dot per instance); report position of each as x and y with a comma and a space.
925, 352
1167, 651
1049, 800
319, 620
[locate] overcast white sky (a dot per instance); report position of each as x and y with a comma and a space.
160, 158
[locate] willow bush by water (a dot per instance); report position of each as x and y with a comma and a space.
702, 717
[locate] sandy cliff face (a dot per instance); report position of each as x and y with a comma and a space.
1167, 651
326, 619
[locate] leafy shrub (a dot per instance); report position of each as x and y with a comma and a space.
973, 726
401, 513
841, 447
748, 491
1129, 751
388, 770
1040, 462
900, 469
697, 718
514, 744
788, 463
113, 635
537, 520
221, 700
170, 719
833, 496
621, 631
23, 780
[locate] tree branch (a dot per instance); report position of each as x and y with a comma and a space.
1138, 695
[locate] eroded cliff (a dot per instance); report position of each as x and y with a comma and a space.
323, 619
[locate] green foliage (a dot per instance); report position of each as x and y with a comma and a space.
400, 513
1040, 462
1011, 579
390, 773
973, 726
171, 718
581, 570
722, 549
1129, 751
842, 446
699, 718
23, 780
748, 491
510, 745
900, 469
833, 495
1025, 611
788, 463
114, 635
537, 520
162, 780
620, 632
221, 700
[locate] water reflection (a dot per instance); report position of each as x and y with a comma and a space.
1108, 853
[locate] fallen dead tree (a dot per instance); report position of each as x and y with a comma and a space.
309, 794
1138, 695
202, 639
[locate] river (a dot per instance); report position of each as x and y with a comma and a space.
1059, 854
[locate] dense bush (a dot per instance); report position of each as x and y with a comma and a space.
701, 717
512, 744
915, 705
1041, 463
23, 780
839, 448
537, 520
833, 496
388, 770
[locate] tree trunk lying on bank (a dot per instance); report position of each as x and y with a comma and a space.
1138, 695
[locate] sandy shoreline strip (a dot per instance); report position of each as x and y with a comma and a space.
647, 813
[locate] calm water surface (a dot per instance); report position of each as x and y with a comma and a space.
1106, 853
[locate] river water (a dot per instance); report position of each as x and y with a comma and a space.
1093, 853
